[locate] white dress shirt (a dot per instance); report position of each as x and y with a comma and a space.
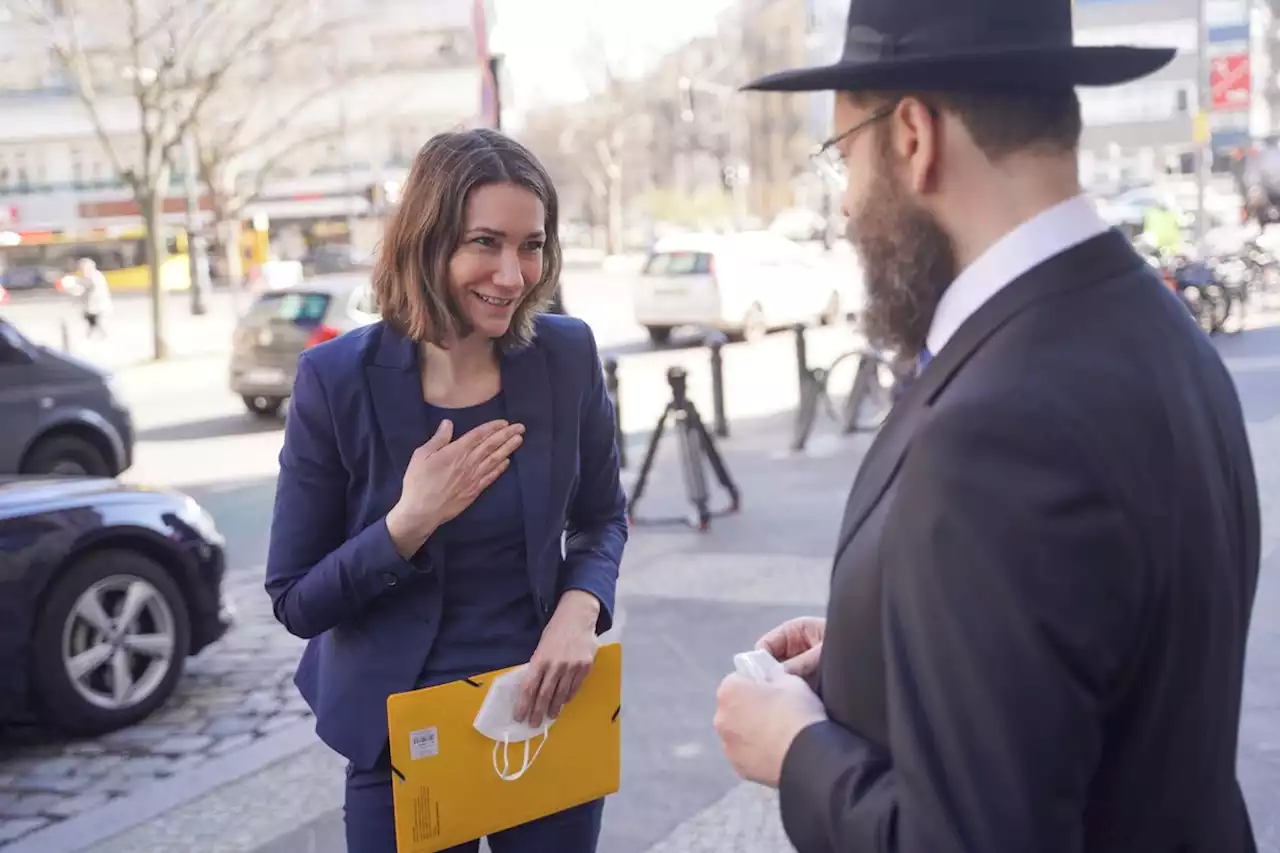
1048, 233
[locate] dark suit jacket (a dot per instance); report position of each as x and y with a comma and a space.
333, 575
1042, 589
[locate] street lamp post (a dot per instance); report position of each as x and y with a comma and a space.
736, 142
151, 204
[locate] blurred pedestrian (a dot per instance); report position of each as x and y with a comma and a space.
89, 286
432, 463
1162, 231
1035, 637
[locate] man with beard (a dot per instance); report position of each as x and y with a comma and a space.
1043, 580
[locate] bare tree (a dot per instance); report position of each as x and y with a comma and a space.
243, 136
247, 134
145, 70
605, 128
232, 185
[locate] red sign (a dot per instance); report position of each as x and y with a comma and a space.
1230, 81
129, 208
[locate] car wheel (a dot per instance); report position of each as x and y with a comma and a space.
659, 334
263, 407
110, 643
68, 455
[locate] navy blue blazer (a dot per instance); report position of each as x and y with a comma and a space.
333, 575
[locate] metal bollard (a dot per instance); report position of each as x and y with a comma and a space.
807, 410
802, 354
715, 342
611, 386
65, 329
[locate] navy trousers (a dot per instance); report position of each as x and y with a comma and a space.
369, 814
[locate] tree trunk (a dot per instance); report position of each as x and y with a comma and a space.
613, 236
151, 206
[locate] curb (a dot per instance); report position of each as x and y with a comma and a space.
156, 798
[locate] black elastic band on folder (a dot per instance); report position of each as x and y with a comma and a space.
398, 774
472, 683
616, 712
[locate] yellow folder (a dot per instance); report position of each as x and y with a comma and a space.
446, 789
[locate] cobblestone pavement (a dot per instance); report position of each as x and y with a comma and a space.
235, 692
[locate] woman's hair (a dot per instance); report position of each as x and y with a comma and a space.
411, 276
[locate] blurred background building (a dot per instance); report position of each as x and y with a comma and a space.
699, 153
338, 115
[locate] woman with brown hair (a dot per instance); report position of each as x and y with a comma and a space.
449, 500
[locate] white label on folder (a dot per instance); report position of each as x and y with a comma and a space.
423, 743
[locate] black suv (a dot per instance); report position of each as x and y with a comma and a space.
60, 414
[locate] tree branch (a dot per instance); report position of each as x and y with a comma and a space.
72, 57
266, 167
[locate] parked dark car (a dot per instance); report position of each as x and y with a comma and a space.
59, 414
29, 277
105, 590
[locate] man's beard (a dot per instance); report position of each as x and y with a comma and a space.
908, 261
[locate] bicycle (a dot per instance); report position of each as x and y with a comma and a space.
857, 391
1196, 284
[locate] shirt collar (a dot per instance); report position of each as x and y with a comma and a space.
1035, 241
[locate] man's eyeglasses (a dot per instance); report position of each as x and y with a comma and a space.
828, 159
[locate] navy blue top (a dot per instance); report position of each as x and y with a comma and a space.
490, 617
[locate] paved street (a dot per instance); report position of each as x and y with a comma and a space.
230, 764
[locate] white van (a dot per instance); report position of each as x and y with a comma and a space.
743, 284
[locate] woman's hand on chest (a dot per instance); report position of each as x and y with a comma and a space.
444, 477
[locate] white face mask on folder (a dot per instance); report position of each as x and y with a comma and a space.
496, 721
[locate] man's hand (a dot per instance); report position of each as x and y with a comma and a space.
757, 721
796, 644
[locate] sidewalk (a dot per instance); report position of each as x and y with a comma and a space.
128, 342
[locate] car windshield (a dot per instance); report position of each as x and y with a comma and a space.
300, 308
678, 263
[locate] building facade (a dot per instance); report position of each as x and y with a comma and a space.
1152, 128
1143, 129
331, 119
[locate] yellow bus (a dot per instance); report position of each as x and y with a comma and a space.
31, 259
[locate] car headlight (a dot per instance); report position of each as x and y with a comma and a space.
114, 388
200, 520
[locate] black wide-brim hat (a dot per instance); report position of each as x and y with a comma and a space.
966, 45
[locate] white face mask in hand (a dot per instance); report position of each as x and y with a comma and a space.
496, 721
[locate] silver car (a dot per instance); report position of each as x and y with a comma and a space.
283, 323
